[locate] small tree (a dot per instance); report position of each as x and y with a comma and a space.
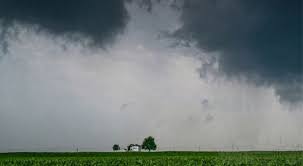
116, 147
149, 143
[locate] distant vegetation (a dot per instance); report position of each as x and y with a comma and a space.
149, 144
116, 147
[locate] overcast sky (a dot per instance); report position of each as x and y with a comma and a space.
90, 74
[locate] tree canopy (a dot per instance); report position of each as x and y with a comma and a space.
116, 147
149, 143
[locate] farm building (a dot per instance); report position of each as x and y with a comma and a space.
134, 148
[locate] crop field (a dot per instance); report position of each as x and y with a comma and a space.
153, 158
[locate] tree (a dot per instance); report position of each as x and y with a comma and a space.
149, 143
129, 146
116, 147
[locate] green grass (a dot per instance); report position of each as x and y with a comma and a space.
154, 158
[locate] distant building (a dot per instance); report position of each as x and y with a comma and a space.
134, 148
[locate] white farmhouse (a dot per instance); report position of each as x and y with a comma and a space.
134, 148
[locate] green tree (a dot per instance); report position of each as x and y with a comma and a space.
116, 147
149, 143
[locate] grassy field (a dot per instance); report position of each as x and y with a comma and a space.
153, 158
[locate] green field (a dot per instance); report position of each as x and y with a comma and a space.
153, 158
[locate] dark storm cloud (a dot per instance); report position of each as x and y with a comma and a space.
259, 39
98, 20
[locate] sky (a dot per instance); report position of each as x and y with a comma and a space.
196, 74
